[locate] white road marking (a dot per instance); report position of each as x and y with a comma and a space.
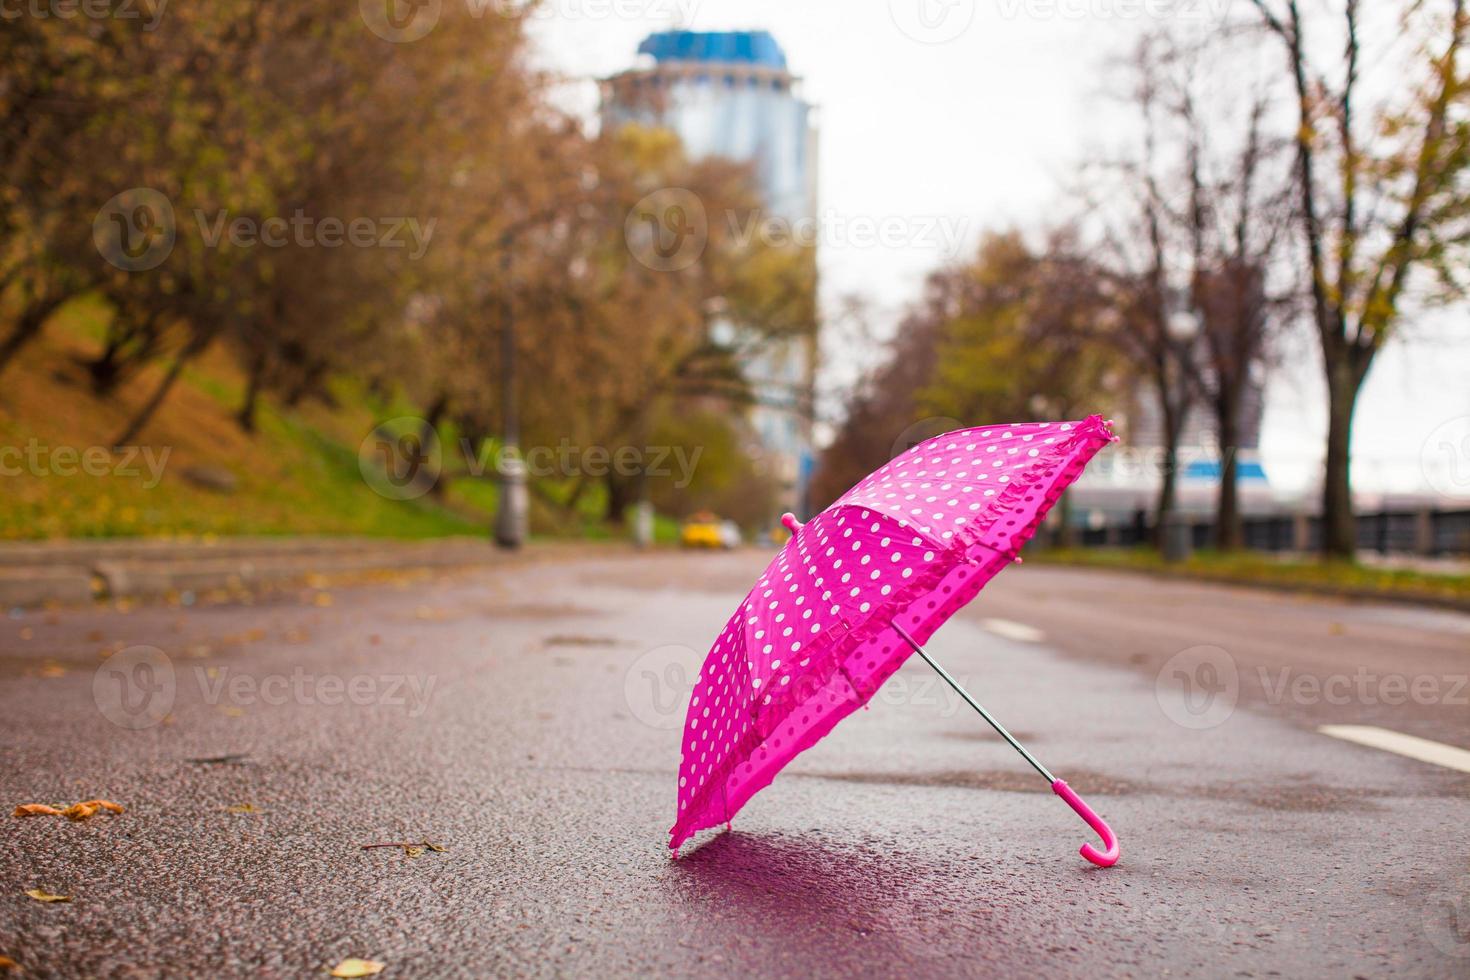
1436, 753
1013, 631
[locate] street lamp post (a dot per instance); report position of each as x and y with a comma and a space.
511, 514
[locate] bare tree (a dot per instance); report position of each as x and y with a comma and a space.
1150, 265
1378, 198
1236, 216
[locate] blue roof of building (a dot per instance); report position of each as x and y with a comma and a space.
741, 47
1209, 469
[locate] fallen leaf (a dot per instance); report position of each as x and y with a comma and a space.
437, 849
322, 599
232, 711
412, 850
53, 670
36, 810
241, 808
26, 632
357, 968
6, 963
81, 811
77, 811
43, 896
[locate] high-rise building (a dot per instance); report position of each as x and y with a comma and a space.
731, 95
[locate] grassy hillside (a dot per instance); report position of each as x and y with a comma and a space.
297, 474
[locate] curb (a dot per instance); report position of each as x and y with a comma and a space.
72, 573
21, 587
1313, 589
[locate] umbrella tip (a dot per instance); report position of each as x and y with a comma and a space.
791, 523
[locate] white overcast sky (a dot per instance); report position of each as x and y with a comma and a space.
976, 113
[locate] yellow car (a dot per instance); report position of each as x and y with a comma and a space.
704, 530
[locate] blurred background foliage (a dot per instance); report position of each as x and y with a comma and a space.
273, 363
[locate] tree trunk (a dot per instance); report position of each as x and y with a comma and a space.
253, 383
310, 382
1339, 525
1169, 478
105, 370
429, 434
145, 414
619, 494
27, 328
1227, 504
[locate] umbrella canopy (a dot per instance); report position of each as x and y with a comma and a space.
907, 547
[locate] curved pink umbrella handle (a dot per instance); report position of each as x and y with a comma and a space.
790, 521
1103, 859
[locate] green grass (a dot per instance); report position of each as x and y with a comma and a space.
297, 474
1250, 568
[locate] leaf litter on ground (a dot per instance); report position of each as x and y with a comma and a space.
41, 895
77, 811
410, 849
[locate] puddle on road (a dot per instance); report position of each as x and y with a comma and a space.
1002, 780
1289, 796
567, 640
1294, 796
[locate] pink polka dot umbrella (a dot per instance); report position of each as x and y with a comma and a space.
856, 590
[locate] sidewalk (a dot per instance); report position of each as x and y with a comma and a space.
74, 572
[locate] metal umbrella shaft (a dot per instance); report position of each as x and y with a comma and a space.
979, 708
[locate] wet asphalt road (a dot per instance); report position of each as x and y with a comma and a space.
526, 718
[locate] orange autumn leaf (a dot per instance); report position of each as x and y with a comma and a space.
36, 810
77, 811
41, 895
